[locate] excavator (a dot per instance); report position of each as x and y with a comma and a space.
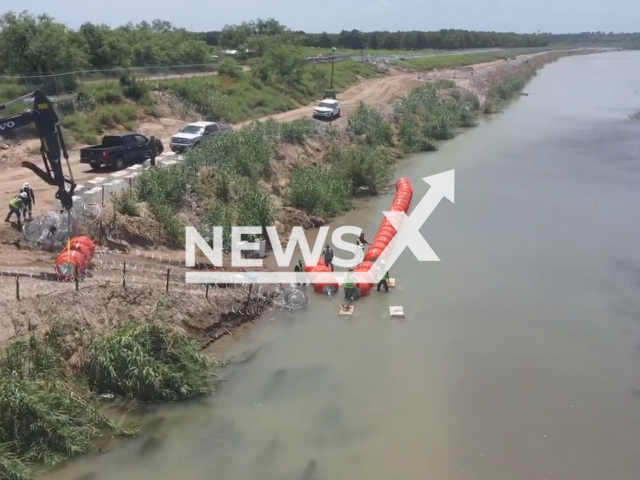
52, 146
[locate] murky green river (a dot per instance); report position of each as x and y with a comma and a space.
519, 358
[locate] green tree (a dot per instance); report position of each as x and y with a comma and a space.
38, 45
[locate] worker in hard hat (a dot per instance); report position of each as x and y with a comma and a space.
15, 207
299, 269
29, 200
349, 285
384, 281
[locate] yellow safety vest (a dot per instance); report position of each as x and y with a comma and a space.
16, 203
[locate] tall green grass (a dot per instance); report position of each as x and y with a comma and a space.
46, 415
368, 169
433, 112
147, 362
320, 192
370, 122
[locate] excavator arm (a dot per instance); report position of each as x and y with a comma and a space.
52, 146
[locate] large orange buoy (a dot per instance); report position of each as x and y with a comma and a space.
75, 257
85, 242
68, 263
326, 282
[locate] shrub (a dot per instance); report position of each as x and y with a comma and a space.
202, 94
365, 167
255, 209
164, 185
369, 122
166, 217
246, 152
320, 192
298, 130
137, 90
111, 116
44, 416
125, 203
148, 363
230, 67
432, 112
85, 102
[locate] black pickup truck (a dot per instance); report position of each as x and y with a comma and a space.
119, 151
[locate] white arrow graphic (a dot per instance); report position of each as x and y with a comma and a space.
408, 227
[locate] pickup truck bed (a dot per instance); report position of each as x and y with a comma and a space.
119, 151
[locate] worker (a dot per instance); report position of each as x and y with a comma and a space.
349, 285
15, 207
299, 268
384, 281
327, 254
361, 241
29, 201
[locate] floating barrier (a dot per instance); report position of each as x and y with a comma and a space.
75, 257
384, 236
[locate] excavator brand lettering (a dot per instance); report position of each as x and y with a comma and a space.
7, 125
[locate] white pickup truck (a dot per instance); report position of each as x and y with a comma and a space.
194, 133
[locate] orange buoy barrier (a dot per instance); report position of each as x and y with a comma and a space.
384, 236
75, 257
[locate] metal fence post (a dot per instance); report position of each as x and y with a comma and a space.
124, 273
18, 287
168, 277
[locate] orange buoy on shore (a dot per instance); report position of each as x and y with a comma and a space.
75, 258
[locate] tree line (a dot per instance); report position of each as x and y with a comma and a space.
39, 45
242, 35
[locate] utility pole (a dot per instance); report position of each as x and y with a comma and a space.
333, 58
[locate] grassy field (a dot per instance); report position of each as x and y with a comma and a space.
455, 61
314, 51
246, 97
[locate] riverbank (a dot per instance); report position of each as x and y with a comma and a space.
358, 153
309, 172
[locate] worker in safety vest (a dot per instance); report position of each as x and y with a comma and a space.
15, 207
29, 200
349, 284
299, 269
384, 281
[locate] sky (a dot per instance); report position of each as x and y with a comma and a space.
522, 16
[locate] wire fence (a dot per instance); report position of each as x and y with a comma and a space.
61, 85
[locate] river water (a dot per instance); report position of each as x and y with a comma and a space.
519, 358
